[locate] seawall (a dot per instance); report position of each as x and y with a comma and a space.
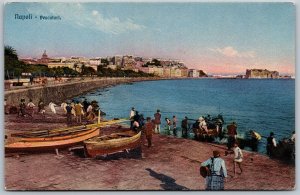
58, 92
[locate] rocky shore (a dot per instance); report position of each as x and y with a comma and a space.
171, 164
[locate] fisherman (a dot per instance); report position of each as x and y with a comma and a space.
63, 106
232, 133
41, 107
255, 137
168, 123
52, 107
141, 120
157, 122
184, 127
131, 117
30, 107
203, 125
78, 111
73, 108
216, 180
85, 104
174, 122
271, 144
149, 131
238, 158
293, 137
22, 107
135, 126
69, 113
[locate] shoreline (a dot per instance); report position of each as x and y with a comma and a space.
171, 164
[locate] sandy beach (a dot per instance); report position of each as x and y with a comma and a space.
171, 164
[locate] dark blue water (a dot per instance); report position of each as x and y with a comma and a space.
261, 105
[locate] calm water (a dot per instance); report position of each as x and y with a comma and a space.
261, 105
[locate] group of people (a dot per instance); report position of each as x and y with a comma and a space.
218, 171
216, 180
71, 108
137, 122
80, 110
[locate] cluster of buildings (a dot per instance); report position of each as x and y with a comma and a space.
158, 67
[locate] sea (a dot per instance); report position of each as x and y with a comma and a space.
263, 105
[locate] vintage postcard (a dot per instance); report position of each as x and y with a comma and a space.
155, 96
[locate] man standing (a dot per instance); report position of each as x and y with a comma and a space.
232, 133
22, 108
174, 125
131, 117
41, 108
271, 144
184, 127
149, 131
255, 137
238, 158
30, 107
157, 122
78, 111
85, 104
203, 125
69, 113
215, 181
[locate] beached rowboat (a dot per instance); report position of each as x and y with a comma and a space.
112, 143
62, 131
50, 143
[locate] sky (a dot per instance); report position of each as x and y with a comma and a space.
218, 38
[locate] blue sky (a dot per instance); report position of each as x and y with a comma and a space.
219, 38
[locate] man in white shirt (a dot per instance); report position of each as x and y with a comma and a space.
215, 181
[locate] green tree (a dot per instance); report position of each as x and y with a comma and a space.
11, 62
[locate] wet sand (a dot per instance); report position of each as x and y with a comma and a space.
171, 164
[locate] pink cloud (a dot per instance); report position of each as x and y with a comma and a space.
231, 52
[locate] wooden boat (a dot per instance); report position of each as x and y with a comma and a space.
112, 143
38, 144
62, 131
36, 141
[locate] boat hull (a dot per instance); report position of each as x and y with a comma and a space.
94, 148
50, 143
58, 132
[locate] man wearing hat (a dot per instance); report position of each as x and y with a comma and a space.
215, 181
271, 144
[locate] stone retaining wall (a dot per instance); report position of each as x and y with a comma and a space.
58, 93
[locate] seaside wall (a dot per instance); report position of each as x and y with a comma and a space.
58, 93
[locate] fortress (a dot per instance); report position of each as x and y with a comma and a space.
261, 74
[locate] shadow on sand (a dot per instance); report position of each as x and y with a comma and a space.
168, 183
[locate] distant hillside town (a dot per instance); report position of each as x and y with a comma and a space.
156, 66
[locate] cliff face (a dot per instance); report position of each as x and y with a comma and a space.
260, 73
